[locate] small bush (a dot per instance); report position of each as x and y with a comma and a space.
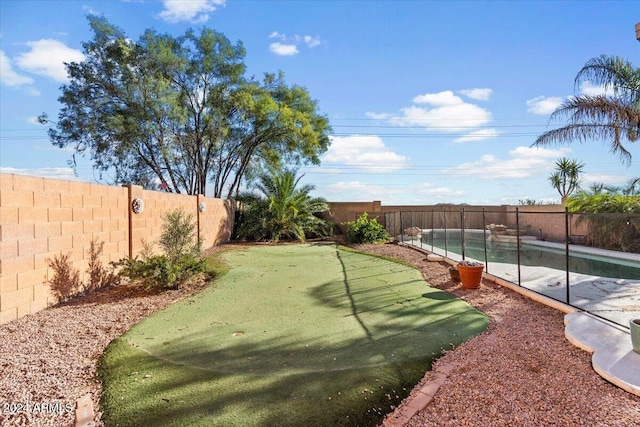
65, 282
365, 230
178, 235
159, 271
180, 262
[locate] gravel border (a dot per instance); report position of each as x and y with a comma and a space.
49, 359
521, 371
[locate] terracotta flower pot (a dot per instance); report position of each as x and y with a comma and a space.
635, 335
470, 276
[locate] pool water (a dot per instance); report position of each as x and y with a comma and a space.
532, 255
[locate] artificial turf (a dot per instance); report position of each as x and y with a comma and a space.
291, 335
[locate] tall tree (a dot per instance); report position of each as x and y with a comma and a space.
566, 177
613, 118
178, 112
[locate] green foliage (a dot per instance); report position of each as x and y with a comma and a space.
65, 282
613, 119
180, 262
365, 230
613, 220
566, 178
178, 235
179, 112
281, 211
158, 271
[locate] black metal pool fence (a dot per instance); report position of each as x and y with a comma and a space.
541, 251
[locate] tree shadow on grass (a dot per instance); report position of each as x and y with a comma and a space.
333, 376
354, 383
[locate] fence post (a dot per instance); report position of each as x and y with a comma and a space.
566, 247
484, 235
433, 227
401, 228
444, 213
518, 244
411, 226
462, 243
421, 227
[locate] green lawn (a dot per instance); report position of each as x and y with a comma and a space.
291, 335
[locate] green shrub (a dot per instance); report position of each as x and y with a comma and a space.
365, 230
178, 235
613, 220
180, 262
283, 211
159, 271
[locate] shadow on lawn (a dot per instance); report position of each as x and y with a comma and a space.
330, 378
257, 390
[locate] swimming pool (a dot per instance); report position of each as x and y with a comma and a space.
530, 254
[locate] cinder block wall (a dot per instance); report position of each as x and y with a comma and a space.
42, 218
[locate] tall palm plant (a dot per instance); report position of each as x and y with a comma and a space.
281, 210
613, 118
566, 177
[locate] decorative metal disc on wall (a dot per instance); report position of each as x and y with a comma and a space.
137, 206
202, 206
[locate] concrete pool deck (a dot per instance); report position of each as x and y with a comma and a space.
616, 300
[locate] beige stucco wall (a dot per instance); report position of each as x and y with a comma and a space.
42, 218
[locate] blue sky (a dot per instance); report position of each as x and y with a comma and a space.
430, 101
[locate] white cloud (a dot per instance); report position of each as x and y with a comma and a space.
524, 162
592, 178
443, 111
481, 94
587, 88
312, 41
47, 58
283, 49
194, 11
432, 192
288, 46
367, 152
477, 135
378, 116
447, 118
439, 99
357, 191
8, 76
543, 105
54, 173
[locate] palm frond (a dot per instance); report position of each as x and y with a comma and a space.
612, 72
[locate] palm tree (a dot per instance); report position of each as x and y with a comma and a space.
613, 118
281, 210
566, 178
629, 188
